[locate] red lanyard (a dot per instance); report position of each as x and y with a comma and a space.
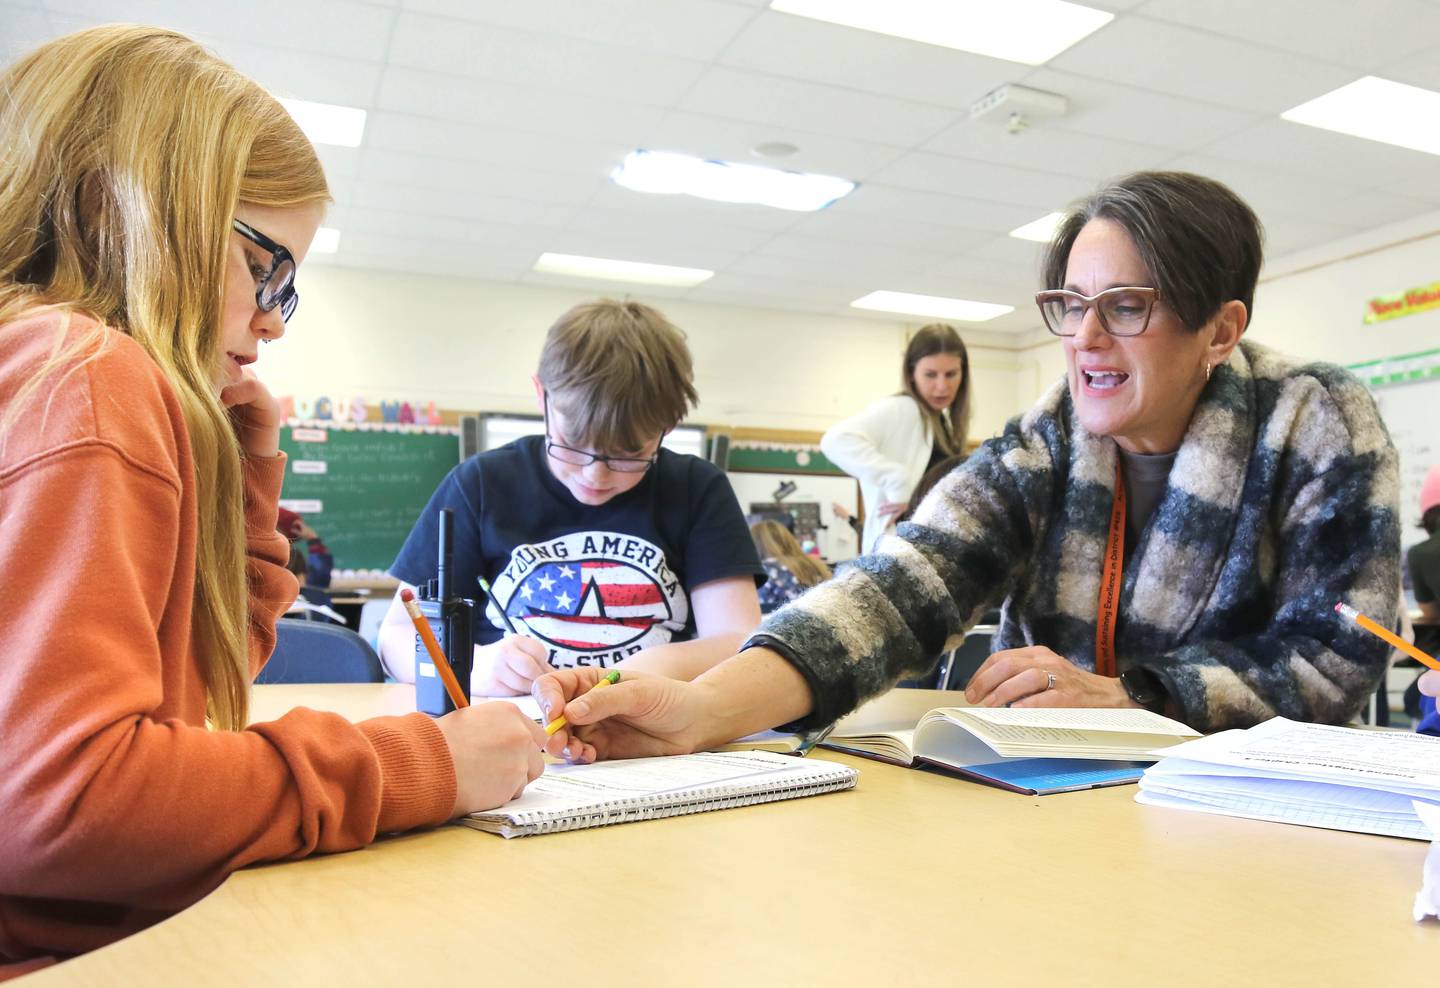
1114, 562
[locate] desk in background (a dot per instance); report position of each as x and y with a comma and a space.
913, 878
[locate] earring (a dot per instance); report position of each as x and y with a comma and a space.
1207, 370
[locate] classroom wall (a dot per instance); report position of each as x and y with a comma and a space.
1311, 304
474, 344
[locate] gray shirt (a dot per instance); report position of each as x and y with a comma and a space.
1145, 479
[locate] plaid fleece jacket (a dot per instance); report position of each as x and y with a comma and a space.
1281, 502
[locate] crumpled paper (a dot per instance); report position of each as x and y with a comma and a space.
1427, 900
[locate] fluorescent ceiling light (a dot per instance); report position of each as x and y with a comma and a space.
607, 269
905, 303
327, 241
1041, 230
1377, 110
326, 123
668, 173
1028, 31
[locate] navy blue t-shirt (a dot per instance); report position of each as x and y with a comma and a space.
594, 583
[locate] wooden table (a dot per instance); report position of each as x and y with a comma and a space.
912, 878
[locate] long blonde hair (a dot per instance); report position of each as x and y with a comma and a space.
775, 542
123, 154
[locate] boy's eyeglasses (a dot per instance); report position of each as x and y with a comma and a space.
278, 285
1122, 311
582, 458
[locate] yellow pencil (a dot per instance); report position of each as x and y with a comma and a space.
559, 722
442, 664
1386, 635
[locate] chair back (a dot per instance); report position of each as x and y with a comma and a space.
372, 614
311, 652
971, 654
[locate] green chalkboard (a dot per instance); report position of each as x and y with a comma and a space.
362, 489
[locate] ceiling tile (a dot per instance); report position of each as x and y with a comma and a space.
521, 58
849, 228
737, 95
692, 28
344, 28
803, 48
423, 198
942, 173
1325, 155
664, 230
1333, 30
733, 140
361, 223
515, 107
876, 199
1200, 66
623, 246
316, 77
464, 176
730, 285
689, 209
513, 148
1137, 115
1046, 148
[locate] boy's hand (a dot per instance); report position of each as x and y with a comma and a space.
496, 751
508, 667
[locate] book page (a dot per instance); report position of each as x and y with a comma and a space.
1117, 720
897, 710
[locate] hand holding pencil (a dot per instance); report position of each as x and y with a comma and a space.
510, 666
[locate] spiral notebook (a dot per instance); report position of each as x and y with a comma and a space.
574, 797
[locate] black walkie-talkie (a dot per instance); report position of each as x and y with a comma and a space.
450, 619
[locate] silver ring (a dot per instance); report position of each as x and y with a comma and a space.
1049, 681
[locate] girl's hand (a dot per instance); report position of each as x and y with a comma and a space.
255, 413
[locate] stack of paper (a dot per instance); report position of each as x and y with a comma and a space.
1339, 778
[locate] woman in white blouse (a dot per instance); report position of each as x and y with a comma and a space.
889, 446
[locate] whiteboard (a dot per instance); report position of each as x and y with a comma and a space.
1411, 411
839, 540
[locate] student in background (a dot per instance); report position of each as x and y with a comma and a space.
1275, 506
139, 451
318, 562
597, 541
1423, 559
789, 571
889, 446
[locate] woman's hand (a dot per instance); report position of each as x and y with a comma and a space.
508, 667
640, 715
888, 511
1037, 677
255, 413
1430, 683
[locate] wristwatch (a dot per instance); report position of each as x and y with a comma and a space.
1145, 688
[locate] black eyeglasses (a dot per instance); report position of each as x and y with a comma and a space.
1122, 311
278, 285
583, 458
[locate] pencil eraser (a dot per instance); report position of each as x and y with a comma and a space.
407, 595
1340, 607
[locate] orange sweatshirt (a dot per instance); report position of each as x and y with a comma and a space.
119, 806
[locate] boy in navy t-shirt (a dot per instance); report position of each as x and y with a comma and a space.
598, 542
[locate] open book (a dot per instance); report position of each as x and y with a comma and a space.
1340, 778
1032, 750
573, 797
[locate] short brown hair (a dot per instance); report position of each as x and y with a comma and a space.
619, 372
1202, 243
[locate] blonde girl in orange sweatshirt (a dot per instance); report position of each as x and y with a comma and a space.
154, 207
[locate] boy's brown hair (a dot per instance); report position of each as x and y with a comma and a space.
619, 372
